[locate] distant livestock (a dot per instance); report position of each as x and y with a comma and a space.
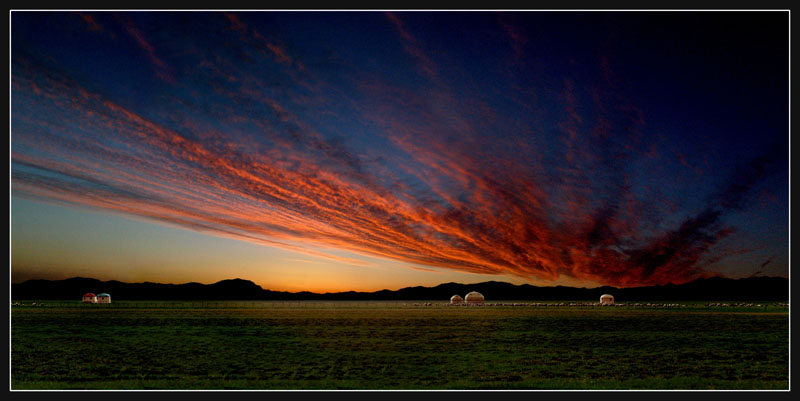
474, 298
606, 299
456, 300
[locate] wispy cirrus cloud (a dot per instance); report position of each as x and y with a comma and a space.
246, 144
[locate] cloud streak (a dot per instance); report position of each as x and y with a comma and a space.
446, 180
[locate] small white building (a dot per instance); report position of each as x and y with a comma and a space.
606, 299
456, 300
474, 298
103, 298
89, 298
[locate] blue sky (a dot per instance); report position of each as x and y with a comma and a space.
369, 150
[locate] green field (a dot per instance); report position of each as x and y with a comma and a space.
362, 345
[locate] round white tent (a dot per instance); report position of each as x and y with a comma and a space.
474, 297
103, 298
89, 298
606, 299
456, 300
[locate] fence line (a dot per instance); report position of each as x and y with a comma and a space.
362, 304
218, 304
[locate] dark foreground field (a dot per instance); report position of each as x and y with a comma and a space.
363, 346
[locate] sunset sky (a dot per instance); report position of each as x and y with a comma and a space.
335, 151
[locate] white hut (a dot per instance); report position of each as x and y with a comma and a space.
456, 300
606, 299
103, 298
89, 298
474, 298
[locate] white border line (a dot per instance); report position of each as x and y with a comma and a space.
403, 10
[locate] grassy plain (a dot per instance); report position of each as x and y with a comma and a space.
395, 346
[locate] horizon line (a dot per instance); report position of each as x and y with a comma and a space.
386, 289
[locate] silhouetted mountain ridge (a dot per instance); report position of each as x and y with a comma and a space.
717, 288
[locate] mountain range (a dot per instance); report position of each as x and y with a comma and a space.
707, 289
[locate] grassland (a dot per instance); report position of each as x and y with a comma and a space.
396, 346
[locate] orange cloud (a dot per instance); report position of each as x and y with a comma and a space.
439, 195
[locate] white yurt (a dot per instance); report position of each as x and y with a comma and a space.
456, 300
103, 298
606, 299
473, 298
89, 298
